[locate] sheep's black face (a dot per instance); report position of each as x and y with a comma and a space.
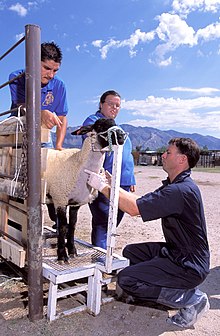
102, 125
118, 137
108, 132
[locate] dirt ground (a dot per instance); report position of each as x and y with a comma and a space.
117, 318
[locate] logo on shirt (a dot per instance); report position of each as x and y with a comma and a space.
48, 99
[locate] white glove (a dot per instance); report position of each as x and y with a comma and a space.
96, 181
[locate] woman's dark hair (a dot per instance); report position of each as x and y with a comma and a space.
51, 51
188, 147
107, 93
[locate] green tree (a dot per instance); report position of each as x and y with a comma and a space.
205, 148
161, 149
138, 148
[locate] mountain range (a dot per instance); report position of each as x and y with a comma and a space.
147, 138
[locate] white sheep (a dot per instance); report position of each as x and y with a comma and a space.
67, 181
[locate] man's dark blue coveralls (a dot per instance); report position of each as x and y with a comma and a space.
169, 272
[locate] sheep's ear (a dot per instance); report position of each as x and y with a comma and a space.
83, 130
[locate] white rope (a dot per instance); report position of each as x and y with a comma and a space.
17, 167
19, 128
8, 279
108, 137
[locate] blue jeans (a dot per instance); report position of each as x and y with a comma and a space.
100, 210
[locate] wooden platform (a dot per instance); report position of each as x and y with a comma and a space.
89, 265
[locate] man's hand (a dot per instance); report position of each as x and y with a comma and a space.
96, 181
61, 133
50, 119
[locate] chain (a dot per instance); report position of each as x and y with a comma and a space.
23, 192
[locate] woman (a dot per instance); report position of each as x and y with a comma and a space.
109, 107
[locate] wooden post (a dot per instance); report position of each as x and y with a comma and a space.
34, 214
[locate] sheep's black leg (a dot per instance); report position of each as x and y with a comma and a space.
73, 210
51, 210
62, 232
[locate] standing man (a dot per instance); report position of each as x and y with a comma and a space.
53, 92
169, 272
109, 107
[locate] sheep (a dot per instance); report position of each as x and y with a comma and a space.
67, 181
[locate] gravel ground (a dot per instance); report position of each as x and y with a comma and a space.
117, 318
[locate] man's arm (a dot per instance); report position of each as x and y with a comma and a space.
49, 120
61, 132
127, 201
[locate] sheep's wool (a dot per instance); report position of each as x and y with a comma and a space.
65, 176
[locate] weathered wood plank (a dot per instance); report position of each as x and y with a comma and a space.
8, 186
13, 252
10, 140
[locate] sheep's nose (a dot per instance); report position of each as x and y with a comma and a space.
121, 139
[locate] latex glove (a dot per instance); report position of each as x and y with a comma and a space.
96, 181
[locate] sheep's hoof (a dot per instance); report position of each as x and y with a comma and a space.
72, 255
63, 261
60, 262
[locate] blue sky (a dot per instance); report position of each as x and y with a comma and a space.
162, 56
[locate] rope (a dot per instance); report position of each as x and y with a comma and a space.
8, 279
112, 130
19, 128
17, 167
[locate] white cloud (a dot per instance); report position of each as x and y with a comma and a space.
97, 43
34, 4
165, 62
210, 32
200, 91
173, 28
19, 36
175, 32
134, 39
179, 114
132, 53
172, 32
19, 9
187, 6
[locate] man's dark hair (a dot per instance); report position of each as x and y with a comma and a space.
107, 93
51, 51
188, 147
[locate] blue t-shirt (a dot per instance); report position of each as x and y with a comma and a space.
53, 95
179, 205
127, 165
